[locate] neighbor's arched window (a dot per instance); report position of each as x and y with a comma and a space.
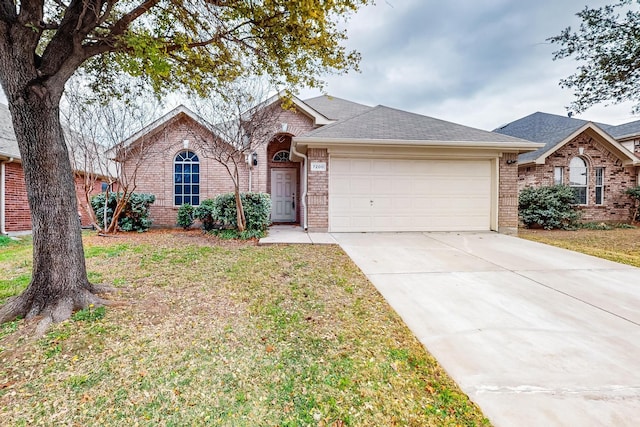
578, 174
186, 179
281, 156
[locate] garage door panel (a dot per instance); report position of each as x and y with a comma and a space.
409, 195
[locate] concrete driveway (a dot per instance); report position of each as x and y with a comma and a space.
535, 335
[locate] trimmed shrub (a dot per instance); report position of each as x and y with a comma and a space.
634, 193
220, 214
548, 207
185, 216
207, 215
135, 215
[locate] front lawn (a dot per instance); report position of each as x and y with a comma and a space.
620, 244
212, 333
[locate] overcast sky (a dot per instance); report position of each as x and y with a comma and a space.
481, 63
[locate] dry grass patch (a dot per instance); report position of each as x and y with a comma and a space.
223, 333
620, 244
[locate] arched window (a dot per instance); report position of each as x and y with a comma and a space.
578, 175
281, 156
186, 179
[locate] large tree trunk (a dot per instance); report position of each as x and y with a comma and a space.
59, 284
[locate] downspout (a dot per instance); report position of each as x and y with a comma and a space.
249, 161
3, 195
304, 183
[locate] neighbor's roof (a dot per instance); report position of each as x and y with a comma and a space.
379, 124
549, 129
554, 131
9, 146
8, 143
336, 108
625, 131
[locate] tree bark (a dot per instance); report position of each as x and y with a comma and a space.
59, 283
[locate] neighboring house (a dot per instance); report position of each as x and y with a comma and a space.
15, 217
599, 161
335, 165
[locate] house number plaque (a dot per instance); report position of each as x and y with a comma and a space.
318, 166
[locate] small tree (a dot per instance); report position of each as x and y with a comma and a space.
548, 207
95, 125
245, 120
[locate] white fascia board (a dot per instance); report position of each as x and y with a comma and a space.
505, 146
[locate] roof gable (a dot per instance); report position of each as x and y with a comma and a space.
555, 131
159, 124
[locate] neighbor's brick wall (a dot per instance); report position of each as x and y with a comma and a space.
318, 191
155, 176
82, 205
616, 206
508, 194
17, 215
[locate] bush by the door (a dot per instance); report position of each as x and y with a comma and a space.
219, 214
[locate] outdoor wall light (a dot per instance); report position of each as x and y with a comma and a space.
254, 159
511, 161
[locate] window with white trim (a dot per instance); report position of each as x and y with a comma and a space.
281, 156
578, 179
558, 175
186, 179
599, 185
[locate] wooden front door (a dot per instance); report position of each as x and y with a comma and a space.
283, 195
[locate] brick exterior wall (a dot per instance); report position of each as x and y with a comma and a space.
16, 209
155, 175
318, 191
616, 204
508, 194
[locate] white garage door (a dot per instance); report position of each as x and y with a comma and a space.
409, 195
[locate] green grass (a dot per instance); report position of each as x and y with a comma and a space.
618, 244
234, 335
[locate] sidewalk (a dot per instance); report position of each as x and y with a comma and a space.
294, 234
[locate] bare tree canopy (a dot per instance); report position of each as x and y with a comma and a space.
165, 44
241, 117
607, 47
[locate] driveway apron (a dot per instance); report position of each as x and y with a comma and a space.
535, 335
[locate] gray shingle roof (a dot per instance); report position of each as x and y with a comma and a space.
384, 123
550, 129
625, 130
335, 108
8, 143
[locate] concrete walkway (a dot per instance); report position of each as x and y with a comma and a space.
536, 335
294, 234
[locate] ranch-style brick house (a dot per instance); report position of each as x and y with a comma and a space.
339, 166
599, 161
